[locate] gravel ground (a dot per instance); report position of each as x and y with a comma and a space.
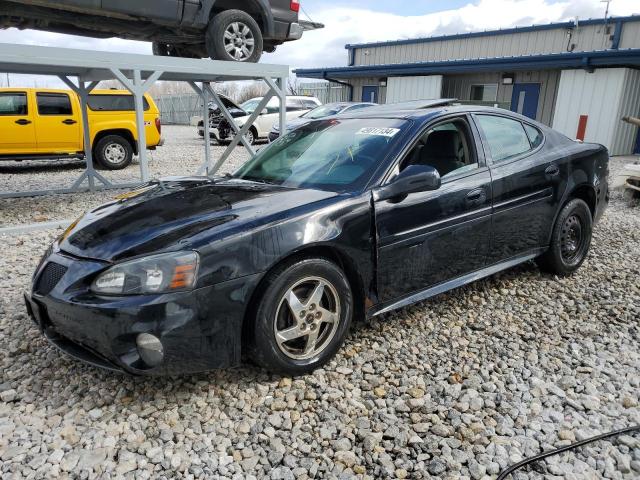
182, 154
460, 386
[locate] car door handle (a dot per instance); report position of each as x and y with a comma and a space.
68, 121
22, 121
476, 196
552, 170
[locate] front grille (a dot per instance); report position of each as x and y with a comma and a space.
49, 278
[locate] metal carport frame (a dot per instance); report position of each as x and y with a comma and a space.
138, 73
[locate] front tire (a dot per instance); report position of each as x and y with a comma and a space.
302, 317
235, 36
113, 152
570, 239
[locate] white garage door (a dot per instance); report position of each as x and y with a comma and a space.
404, 89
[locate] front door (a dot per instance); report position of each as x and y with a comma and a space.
17, 129
370, 93
527, 181
430, 237
524, 99
58, 128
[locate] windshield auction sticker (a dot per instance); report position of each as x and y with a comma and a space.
384, 132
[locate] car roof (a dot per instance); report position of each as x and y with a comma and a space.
424, 110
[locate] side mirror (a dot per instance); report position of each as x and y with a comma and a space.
414, 178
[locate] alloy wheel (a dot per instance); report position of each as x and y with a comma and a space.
238, 41
115, 153
307, 318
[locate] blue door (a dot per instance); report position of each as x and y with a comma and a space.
525, 99
370, 94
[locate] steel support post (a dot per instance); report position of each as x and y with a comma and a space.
138, 88
83, 91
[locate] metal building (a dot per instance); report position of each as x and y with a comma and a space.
579, 77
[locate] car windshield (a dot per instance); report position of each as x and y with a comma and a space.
322, 111
250, 105
332, 154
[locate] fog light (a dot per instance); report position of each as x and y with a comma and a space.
150, 349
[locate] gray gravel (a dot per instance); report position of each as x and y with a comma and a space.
457, 387
182, 154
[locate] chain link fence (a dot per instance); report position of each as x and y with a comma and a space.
178, 109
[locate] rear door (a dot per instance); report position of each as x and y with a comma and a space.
526, 185
430, 237
17, 128
58, 129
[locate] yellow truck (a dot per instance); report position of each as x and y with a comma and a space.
40, 123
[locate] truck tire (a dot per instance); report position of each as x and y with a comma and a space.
113, 152
234, 35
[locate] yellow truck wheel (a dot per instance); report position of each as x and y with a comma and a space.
113, 152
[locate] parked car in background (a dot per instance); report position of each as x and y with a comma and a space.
317, 113
296, 106
47, 124
220, 29
215, 116
342, 218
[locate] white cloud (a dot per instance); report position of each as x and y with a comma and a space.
353, 25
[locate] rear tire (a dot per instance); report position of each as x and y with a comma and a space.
296, 334
113, 152
233, 35
570, 239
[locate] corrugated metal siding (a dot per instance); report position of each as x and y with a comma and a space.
402, 89
586, 38
459, 86
326, 92
630, 35
625, 135
599, 95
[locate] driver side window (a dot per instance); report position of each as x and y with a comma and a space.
447, 147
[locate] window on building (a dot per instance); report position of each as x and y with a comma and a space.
484, 93
506, 137
13, 103
53, 104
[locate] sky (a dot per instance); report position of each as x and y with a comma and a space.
355, 21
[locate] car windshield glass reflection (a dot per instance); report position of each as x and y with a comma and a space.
322, 111
336, 155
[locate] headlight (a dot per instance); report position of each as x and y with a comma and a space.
167, 272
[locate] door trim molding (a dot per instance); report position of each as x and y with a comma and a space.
451, 284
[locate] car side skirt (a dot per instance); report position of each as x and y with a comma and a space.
454, 283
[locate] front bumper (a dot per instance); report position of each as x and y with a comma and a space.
213, 133
199, 330
273, 136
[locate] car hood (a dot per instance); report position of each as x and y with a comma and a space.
167, 214
295, 123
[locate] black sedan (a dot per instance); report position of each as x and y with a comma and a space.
342, 218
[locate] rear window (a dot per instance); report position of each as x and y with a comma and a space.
114, 103
506, 137
535, 135
13, 103
53, 104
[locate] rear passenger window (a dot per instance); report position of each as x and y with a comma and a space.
309, 104
13, 103
535, 135
53, 104
506, 137
114, 103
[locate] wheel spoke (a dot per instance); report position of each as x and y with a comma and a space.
327, 316
238, 54
295, 306
245, 30
229, 47
312, 340
245, 52
249, 42
316, 296
235, 27
228, 35
290, 334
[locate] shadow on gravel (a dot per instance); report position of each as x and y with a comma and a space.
37, 166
